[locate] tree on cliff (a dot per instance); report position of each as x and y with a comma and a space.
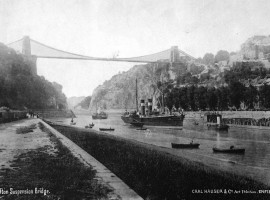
209, 59
264, 96
183, 103
200, 97
251, 96
222, 55
211, 98
222, 98
190, 97
236, 95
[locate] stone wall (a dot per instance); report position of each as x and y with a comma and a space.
55, 113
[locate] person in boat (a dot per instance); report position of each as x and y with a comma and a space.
71, 120
181, 111
91, 125
126, 112
191, 142
231, 147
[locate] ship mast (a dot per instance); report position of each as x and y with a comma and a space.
136, 97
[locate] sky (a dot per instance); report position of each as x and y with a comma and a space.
101, 28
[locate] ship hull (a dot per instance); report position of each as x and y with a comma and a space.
185, 146
102, 115
170, 121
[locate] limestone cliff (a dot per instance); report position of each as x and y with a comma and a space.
120, 91
256, 47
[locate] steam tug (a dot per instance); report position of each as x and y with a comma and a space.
149, 118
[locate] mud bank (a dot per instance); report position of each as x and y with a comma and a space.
156, 174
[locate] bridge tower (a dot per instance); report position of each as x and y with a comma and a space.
26, 50
174, 59
26, 47
174, 54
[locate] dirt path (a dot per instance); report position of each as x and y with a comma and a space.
35, 165
12, 144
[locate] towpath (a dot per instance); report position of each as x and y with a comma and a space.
14, 145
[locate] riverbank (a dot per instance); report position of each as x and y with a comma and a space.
54, 113
231, 114
156, 174
35, 165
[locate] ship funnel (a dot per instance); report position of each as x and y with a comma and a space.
142, 107
150, 106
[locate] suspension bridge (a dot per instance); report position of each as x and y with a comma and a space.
31, 47
34, 49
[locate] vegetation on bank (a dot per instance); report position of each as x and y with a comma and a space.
63, 175
25, 129
240, 92
155, 174
20, 89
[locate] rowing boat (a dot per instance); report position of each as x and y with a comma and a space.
230, 150
185, 146
106, 129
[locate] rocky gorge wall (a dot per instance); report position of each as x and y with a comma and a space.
120, 91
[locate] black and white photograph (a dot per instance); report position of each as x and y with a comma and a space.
134, 99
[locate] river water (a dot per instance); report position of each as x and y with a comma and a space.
254, 163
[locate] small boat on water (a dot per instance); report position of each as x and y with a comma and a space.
90, 126
72, 122
230, 150
101, 115
106, 129
185, 146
